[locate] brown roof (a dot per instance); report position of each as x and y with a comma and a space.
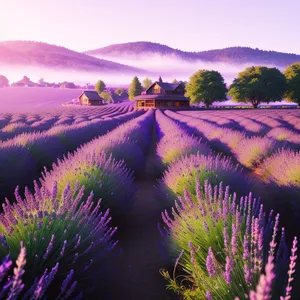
92, 95
166, 86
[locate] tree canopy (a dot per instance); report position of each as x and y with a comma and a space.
105, 96
207, 87
258, 84
119, 91
135, 88
175, 81
100, 86
147, 82
3, 81
292, 75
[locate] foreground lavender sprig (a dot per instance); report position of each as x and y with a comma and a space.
13, 287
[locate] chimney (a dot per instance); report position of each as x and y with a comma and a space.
159, 79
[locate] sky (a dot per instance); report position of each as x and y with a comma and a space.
191, 25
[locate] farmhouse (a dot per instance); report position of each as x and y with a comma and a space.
163, 95
90, 98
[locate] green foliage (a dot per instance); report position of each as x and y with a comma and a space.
105, 96
135, 88
119, 91
100, 86
258, 84
207, 87
3, 81
147, 82
175, 81
292, 75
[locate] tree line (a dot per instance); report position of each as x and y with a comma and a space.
254, 85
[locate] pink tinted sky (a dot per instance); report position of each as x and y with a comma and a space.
186, 24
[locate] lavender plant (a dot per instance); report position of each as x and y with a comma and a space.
175, 141
181, 175
222, 245
57, 230
110, 180
251, 152
283, 168
12, 286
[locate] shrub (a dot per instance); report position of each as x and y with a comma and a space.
175, 141
223, 245
108, 179
283, 168
252, 151
180, 175
57, 229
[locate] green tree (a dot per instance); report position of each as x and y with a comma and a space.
119, 91
105, 96
135, 88
207, 87
258, 84
147, 82
100, 86
175, 81
292, 75
3, 81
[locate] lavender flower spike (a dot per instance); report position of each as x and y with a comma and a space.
210, 264
291, 271
17, 285
264, 287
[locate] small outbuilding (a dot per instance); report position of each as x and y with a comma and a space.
163, 95
90, 98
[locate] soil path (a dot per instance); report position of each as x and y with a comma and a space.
137, 275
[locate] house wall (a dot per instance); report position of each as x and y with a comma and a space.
169, 104
84, 100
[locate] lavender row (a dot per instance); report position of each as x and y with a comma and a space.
103, 164
13, 128
174, 141
249, 151
29, 153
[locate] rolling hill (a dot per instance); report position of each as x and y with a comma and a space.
232, 55
36, 54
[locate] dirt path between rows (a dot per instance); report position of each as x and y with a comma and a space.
137, 275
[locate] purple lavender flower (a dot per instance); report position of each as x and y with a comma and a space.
210, 263
228, 269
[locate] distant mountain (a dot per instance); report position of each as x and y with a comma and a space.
36, 54
232, 55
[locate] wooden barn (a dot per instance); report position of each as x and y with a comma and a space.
90, 98
163, 95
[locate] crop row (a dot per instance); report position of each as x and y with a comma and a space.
18, 125
58, 233
220, 241
24, 157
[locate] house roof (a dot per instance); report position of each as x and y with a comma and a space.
92, 95
161, 97
166, 86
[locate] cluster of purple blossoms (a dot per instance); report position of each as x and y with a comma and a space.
175, 141
225, 243
66, 234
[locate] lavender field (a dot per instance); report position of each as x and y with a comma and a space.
110, 202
